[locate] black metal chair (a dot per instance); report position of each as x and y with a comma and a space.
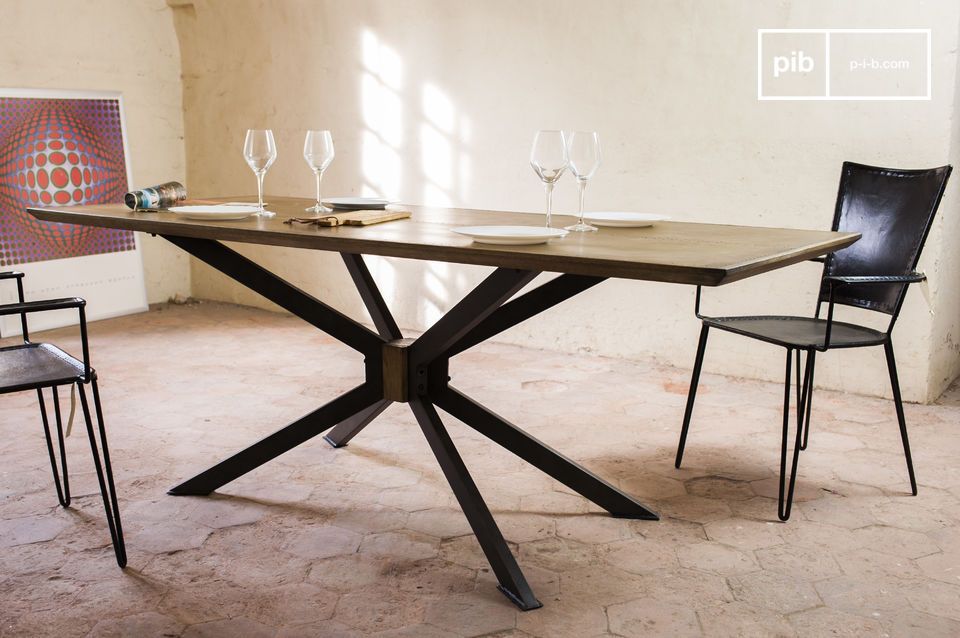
36, 366
893, 210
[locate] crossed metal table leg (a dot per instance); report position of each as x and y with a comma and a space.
415, 371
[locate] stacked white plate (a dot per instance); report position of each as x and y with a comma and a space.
218, 212
623, 220
355, 203
510, 235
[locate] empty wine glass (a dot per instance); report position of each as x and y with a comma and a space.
548, 157
260, 151
318, 153
584, 151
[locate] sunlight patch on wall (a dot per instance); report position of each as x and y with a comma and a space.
444, 160
382, 111
383, 117
442, 175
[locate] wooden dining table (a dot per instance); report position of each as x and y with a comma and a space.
416, 371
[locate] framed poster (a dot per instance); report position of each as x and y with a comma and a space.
63, 148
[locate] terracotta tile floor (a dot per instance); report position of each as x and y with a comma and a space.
367, 540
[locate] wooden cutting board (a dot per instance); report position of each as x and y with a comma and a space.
352, 218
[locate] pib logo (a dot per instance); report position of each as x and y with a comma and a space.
791, 64
844, 64
796, 62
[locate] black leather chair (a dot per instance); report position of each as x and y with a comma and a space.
36, 366
893, 210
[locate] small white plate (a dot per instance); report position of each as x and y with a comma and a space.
510, 235
355, 203
623, 220
222, 212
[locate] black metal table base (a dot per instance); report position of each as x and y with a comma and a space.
416, 372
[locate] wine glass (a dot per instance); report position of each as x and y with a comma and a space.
548, 157
584, 151
260, 151
318, 153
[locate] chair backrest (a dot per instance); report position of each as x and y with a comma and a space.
13, 274
893, 210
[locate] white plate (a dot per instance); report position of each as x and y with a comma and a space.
623, 220
510, 235
356, 203
222, 212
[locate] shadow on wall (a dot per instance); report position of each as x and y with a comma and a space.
444, 168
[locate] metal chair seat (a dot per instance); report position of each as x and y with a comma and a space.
33, 365
798, 332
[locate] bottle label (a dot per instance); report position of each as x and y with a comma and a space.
154, 197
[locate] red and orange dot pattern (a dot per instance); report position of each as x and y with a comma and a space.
58, 152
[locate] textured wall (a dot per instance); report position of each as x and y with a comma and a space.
436, 102
944, 268
111, 45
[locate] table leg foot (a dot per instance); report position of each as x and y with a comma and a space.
349, 428
333, 442
519, 602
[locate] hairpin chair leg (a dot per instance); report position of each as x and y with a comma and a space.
808, 396
109, 496
692, 394
785, 501
898, 401
63, 489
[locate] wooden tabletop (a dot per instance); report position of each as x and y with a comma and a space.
678, 252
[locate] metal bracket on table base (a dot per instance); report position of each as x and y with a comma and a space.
415, 371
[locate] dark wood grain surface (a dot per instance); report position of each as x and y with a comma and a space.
679, 252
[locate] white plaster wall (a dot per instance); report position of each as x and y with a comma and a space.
111, 45
434, 101
944, 287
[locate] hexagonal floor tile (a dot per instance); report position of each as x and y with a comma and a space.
648, 617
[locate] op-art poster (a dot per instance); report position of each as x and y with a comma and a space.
64, 148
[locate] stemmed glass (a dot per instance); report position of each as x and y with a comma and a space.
584, 151
260, 151
548, 157
318, 153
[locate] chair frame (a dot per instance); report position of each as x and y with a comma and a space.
830, 284
103, 468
